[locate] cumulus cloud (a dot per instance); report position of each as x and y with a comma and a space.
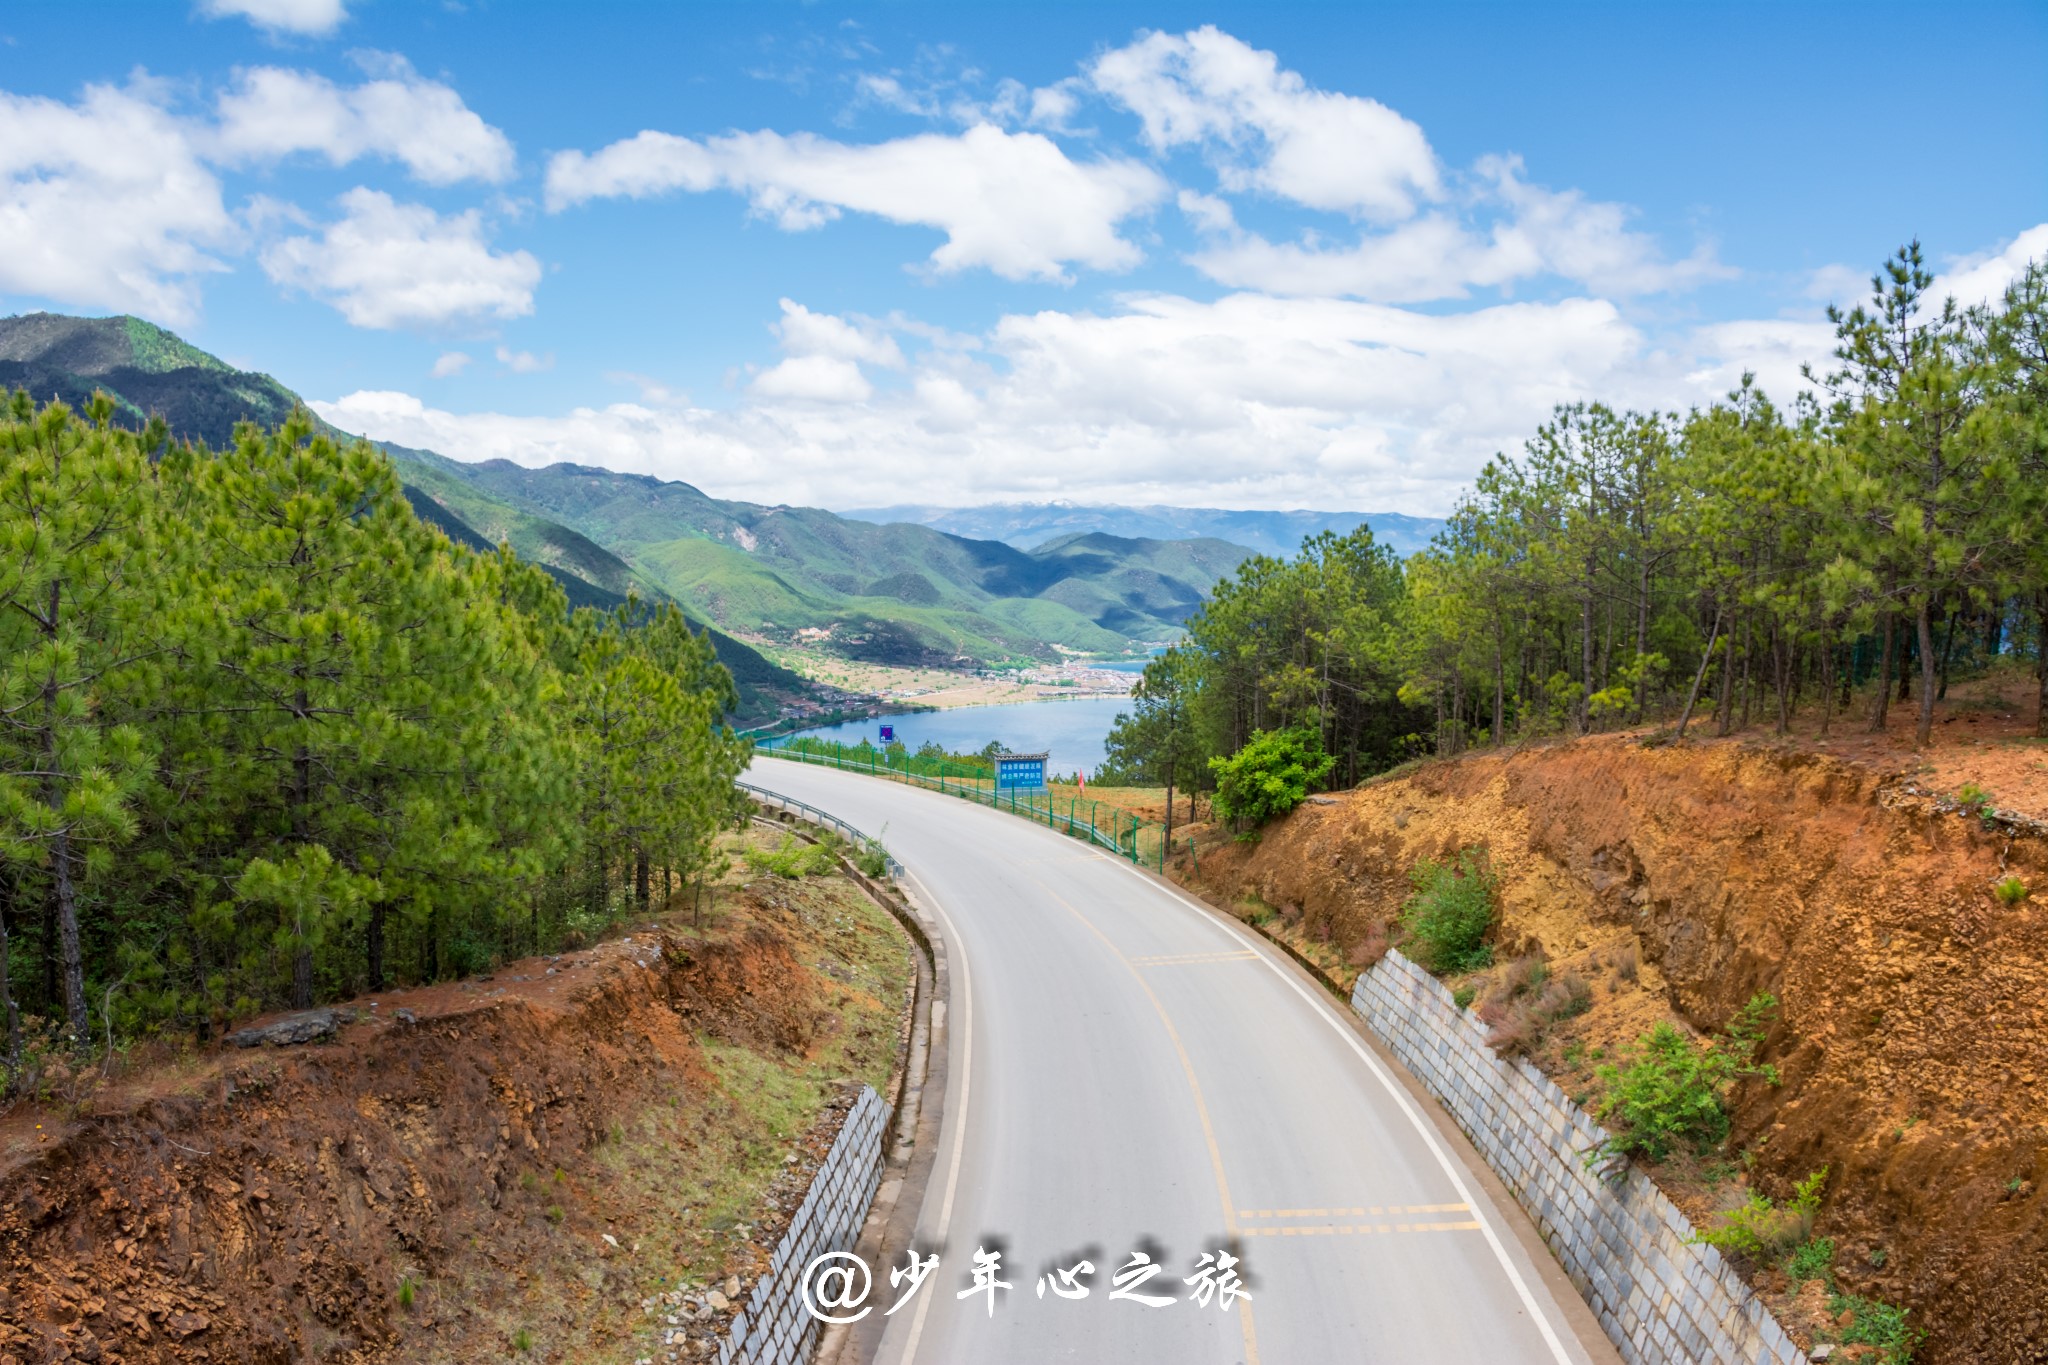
271, 112
1773, 349
1439, 255
384, 264
803, 332
1246, 400
104, 203
1267, 128
312, 17
1984, 278
1013, 203
450, 363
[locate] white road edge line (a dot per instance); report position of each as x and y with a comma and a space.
1422, 1129
956, 950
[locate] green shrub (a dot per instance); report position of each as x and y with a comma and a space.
2011, 891
1872, 1322
1671, 1088
1269, 776
1447, 918
407, 1291
1764, 1231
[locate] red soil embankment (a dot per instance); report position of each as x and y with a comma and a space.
502, 1153
1913, 1033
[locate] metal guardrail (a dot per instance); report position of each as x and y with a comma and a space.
826, 818
1119, 841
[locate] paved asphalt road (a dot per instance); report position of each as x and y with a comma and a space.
1130, 1073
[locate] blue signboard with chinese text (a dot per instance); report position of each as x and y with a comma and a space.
1017, 772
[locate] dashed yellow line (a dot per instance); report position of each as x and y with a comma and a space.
1357, 1230
1190, 959
1374, 1211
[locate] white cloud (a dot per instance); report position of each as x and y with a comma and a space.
1837, 283
272, 112
389, 265
1208, 213
1772, 349
450, 363
525, 362
1011, 202
1984, 278
1248, 400
104, 203
804, 332
1269, 129
814, 379
1438, 255
314, 17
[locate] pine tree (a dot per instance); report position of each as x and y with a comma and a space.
75, 545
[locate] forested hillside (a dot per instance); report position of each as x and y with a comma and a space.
148, 372
887, 593
269, 738
1733, 563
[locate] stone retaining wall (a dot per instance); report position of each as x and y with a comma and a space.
1662, 1299
773, 1328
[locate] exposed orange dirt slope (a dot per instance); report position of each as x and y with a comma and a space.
535, 1152
1913, 1033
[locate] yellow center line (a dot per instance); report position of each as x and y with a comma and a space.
1374, 1210
1187, 1066
1358, 1230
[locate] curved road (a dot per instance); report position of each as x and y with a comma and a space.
1129, 1072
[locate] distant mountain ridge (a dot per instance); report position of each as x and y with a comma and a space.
890, 591
1028, 525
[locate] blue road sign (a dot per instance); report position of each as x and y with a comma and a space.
1016, 772
888, 733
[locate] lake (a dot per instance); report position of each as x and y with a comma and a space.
1071, 731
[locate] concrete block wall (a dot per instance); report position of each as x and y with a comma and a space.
1662, 1299
774, 1328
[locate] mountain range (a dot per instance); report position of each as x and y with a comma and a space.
1029, 524
975, 586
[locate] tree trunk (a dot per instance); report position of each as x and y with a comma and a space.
1784, 657
1724, 711
1706, 657
642, 878
2041, 665
374, 947
13, 1058
1924, 622
1879, 711
1586, 657
1948, 645
1827, 687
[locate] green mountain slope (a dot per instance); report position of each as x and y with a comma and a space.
900, 593
149, 371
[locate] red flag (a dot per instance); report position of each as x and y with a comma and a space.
1081, 776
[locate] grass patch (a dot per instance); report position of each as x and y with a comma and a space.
1873, 1322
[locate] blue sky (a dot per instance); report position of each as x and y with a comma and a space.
1309, 255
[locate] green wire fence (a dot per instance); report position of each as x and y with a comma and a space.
1143, 842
